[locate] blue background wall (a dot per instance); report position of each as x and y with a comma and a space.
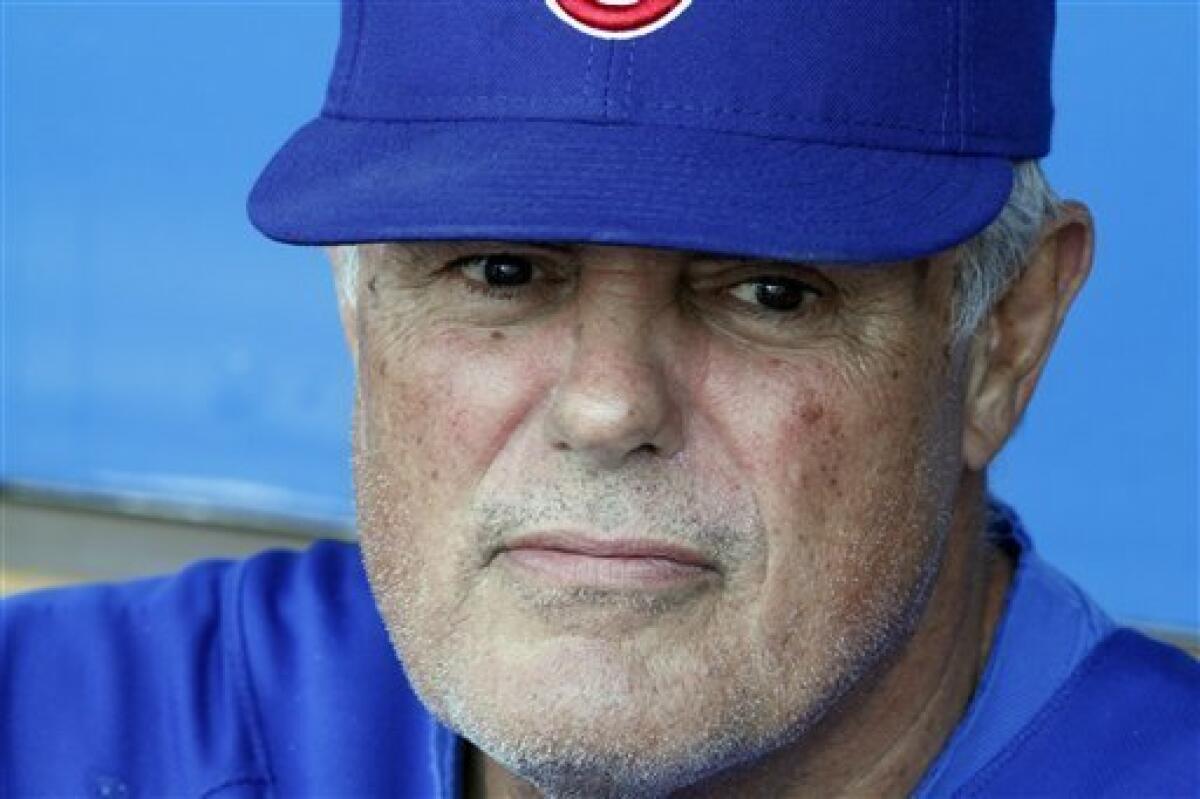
154, 346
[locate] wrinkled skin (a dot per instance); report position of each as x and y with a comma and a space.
811, 449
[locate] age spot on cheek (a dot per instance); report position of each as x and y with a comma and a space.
829, 472
497, 335
836, 437
811, 414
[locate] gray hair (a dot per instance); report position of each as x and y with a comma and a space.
345, 271
991, 261
988, 263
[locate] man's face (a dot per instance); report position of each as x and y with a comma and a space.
640, 513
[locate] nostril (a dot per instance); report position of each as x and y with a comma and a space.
608, 417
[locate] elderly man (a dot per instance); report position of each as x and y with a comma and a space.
685, 331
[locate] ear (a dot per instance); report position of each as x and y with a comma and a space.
347, 308
1013, 344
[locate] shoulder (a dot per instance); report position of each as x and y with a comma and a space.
1125, 723
196, 609
144, 683
332, 704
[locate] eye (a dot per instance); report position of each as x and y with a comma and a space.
782, 294
501, 270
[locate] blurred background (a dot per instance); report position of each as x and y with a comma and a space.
174, 386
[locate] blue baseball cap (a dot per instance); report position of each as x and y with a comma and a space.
811, 130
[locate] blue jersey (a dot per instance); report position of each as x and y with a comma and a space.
274, 676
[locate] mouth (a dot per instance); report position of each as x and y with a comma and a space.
576, 560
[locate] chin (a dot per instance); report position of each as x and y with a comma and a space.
580, 719
609, 754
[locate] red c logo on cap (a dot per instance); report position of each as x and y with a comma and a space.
617, 19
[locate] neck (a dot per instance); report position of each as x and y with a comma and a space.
886, 732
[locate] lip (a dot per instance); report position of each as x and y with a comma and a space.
630, 563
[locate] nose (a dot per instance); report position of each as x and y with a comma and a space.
615, 398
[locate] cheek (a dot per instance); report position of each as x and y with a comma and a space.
836, 457
434, 407
795, 429
813, 433
437, 406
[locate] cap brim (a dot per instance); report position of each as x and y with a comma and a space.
338, 181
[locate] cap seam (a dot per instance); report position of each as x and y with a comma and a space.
587, 70
629, 75
949, 58
964, 66
608, 74
351, 78
655, 106
981, 137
